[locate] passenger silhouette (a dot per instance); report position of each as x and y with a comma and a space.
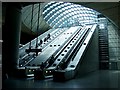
42, 66
51, 59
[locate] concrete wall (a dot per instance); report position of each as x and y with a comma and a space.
114, 46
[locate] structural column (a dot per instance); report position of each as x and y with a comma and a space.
11, 37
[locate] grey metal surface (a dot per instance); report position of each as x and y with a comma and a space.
63, 57
44, 55
82, 49
22, 49
74, 65
66, 60
23, 54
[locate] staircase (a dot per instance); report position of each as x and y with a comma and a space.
103, 49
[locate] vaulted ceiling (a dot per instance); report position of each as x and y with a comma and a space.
109, 9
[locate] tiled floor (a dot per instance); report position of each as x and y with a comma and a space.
98, 79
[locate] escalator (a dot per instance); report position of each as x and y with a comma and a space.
61, 53
74, 64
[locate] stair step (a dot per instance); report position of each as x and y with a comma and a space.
102, 61
103, 49
103, 39
103, 53
104, 58
103, 44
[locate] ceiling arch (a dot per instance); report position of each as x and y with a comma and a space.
109, 9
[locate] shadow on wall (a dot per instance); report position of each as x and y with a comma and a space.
90, 60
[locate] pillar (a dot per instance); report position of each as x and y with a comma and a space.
11, 37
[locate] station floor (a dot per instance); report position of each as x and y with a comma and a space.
98, 79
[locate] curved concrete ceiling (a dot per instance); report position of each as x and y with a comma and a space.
35, 26
109, 9
64, 14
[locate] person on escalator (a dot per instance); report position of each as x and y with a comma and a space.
48, 36
39, 73
42, 66
52, 59
41, 42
